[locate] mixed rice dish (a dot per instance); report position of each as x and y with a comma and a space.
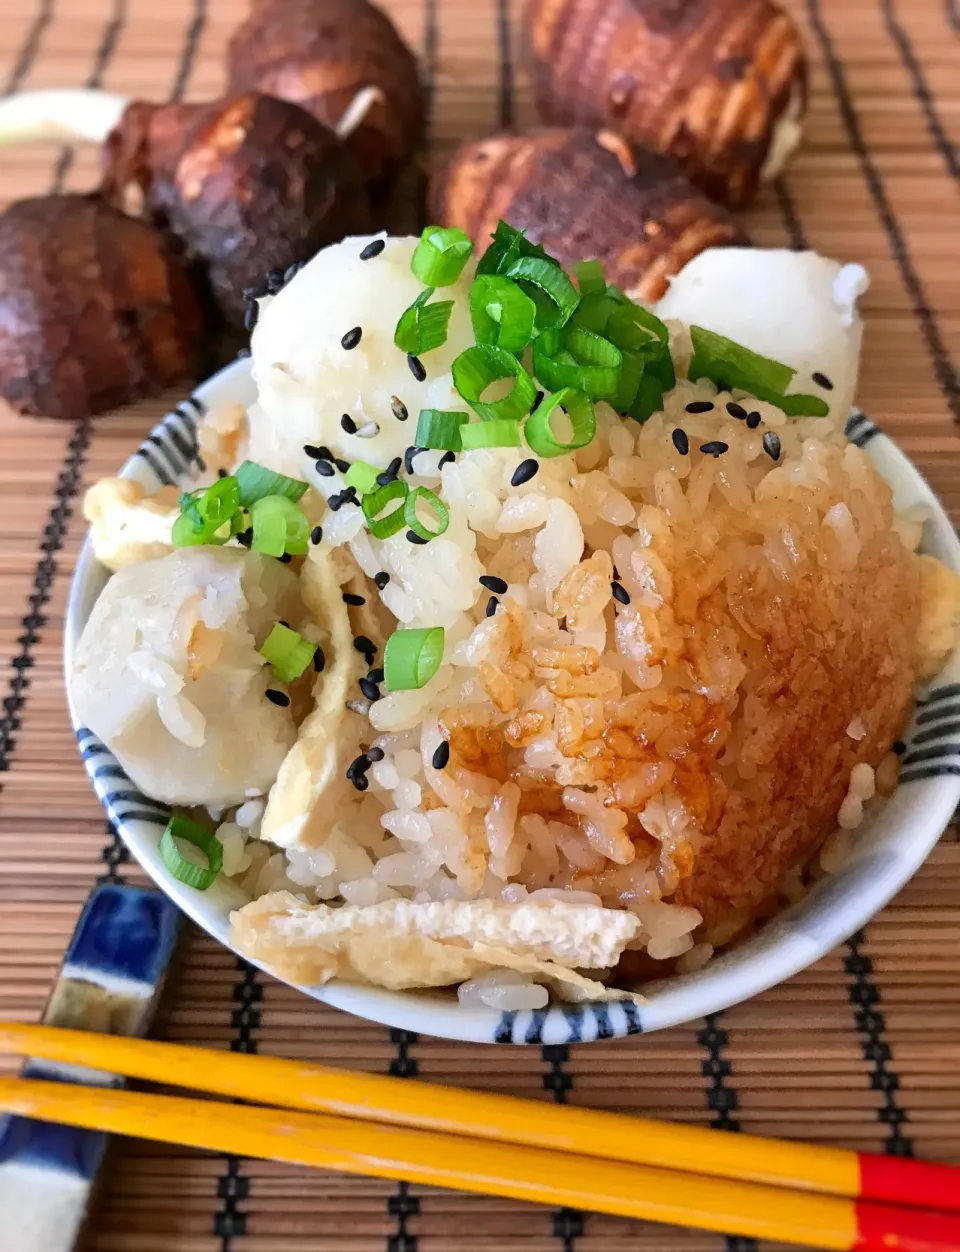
519, 638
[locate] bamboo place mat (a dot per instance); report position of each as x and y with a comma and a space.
864, 1048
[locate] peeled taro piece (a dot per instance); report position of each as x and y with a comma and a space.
584, 196
719, 85
250, 184
98, 309
344, 62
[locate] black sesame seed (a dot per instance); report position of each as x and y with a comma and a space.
316, 535
441, 756
322, 453
385, 479
341, 464
408, 458
771, 445
680, 441
325, 469
377, 676
348, 424
753, 420
493, 583
537, 401
222, 473
277, 697
714, 448
375, 754
319, 660
399, 409
245, 537
823, 381
358, 767
349, 597
283, 623
360, 781
491, 608
373, 249
349, 495
250, 315
381, 579
254, 293
736, 410
415, 538
700, 406
620, 593
524, 471
899, 747
370, 689
351, 338
393, 469
285, 559
292, 271
447, 457
335, 502
274, 282
363, 644
416, 368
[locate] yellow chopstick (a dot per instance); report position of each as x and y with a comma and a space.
505, 1119
434, 1159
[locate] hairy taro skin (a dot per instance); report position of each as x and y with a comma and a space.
320, 54
703, 81
584, 195
98, 309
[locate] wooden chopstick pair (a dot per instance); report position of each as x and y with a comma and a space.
498, 1145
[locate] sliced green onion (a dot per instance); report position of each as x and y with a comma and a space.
423, 327
549, 287
220, 501
440, 428
501, 313
440, 255
185, 533
539, 431
507, 246
730, 365
255, 482
363, 476
589, 348
639, 314
594, 312
279, 527
200, 876
412, 657
434, 502
287, 651
502, 433
478, 367
590, 277
374, 504
658, 377
631, 374
564, 370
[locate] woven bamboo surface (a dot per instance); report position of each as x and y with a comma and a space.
863, 1049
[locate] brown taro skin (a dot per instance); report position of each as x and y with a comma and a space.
250, 184
584, 196
97, 309
703, 81
320, 54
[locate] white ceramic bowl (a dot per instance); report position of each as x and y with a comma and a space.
890, 845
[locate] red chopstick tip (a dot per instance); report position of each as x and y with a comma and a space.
920, 1184
887, 1228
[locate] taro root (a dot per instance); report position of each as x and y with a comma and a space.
98, 309
344, 62
720, 85
250, 184
584, 196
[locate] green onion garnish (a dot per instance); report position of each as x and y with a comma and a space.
423, 326
440, 255
730, 365
590, 277
220, 501
412, 657
199, 876
374, 504
509, 244
363, 476
639, 314
476, 368
434, 502
631, 374
186, 534
558, 367
279, 527
583, 423
594, 312
256, 482
288, 652
204, 513
440, 428
502, 433
502, 314
549, 287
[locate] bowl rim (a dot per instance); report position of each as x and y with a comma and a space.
728, 980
